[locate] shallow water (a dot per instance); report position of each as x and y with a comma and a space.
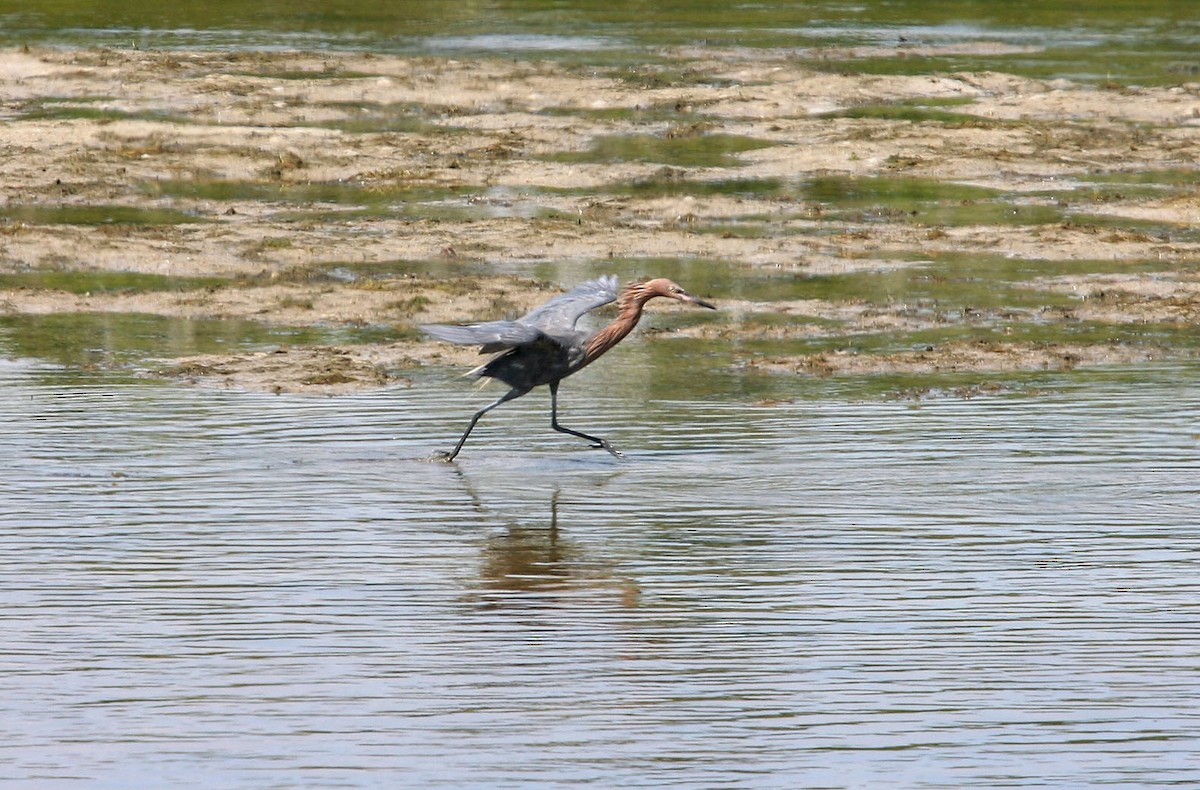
1147, 42
207, 588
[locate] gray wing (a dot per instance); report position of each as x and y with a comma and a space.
556, 317
492, 335
560, 313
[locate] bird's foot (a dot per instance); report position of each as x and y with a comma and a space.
602, 444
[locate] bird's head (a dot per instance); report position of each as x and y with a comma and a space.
661, 286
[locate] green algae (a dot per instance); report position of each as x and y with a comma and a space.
96, 214
688, 150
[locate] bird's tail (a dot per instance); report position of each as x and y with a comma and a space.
489, 369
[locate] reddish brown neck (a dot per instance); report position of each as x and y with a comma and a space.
631, 301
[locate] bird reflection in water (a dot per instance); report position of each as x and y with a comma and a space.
531, 559
537, 566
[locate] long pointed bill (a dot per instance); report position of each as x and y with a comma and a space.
696, 300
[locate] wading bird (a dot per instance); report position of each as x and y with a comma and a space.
544, 347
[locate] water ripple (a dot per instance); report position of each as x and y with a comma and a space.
206, 588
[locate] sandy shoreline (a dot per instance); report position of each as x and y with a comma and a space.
282, 162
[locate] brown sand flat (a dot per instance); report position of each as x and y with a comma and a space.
157, 130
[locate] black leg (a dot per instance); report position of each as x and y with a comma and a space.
597, 441
513, 393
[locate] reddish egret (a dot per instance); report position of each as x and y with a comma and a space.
544, 347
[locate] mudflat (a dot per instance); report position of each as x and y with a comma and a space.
282, 187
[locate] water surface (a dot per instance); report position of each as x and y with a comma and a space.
1146, 42
208, 588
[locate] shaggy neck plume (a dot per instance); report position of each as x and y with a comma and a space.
633, 297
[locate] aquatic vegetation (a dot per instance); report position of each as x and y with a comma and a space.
99, 281
700, 150
94, 214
